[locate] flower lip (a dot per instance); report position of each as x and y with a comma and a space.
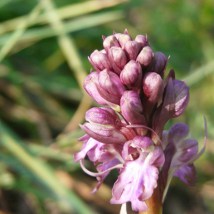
136, 183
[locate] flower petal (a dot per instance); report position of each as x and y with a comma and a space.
187, 174
90, 85
135, 183
131, 108
110, 86
87, 146
104, 134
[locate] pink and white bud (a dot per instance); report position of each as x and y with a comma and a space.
110, 41
142, 40
131, 75
131, 108
145, 56
103, 116
91, 86
99, 60
110, 86
122, 38
132, 49
118, 59
104, 133
153, 87
158, 64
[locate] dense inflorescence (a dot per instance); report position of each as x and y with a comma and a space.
127, 132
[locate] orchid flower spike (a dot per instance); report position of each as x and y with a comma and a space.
127, 133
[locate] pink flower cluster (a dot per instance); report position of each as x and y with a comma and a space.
127, 132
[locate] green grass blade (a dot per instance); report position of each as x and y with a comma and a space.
18, 32
42, 171
68, 11
71, 26
200, 73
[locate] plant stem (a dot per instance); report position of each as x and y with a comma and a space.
154, 203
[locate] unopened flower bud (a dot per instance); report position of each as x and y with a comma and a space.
158, 64
90, 85
110, 41
122, 38
99, 60
132, 49
142, 40
175, 100
103, 116
110, 86
131, 75
131, 107
104, 133
145, 56
153, 87
117, 58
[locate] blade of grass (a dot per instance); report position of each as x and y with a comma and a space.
71, 26
68, 140
54, 60
49, 152
68, 11
200, 73
66, 43
57, 85
19, 30
73, 59
41, 170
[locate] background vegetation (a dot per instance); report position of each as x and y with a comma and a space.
43, 60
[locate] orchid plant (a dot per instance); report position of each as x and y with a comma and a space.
127, 133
